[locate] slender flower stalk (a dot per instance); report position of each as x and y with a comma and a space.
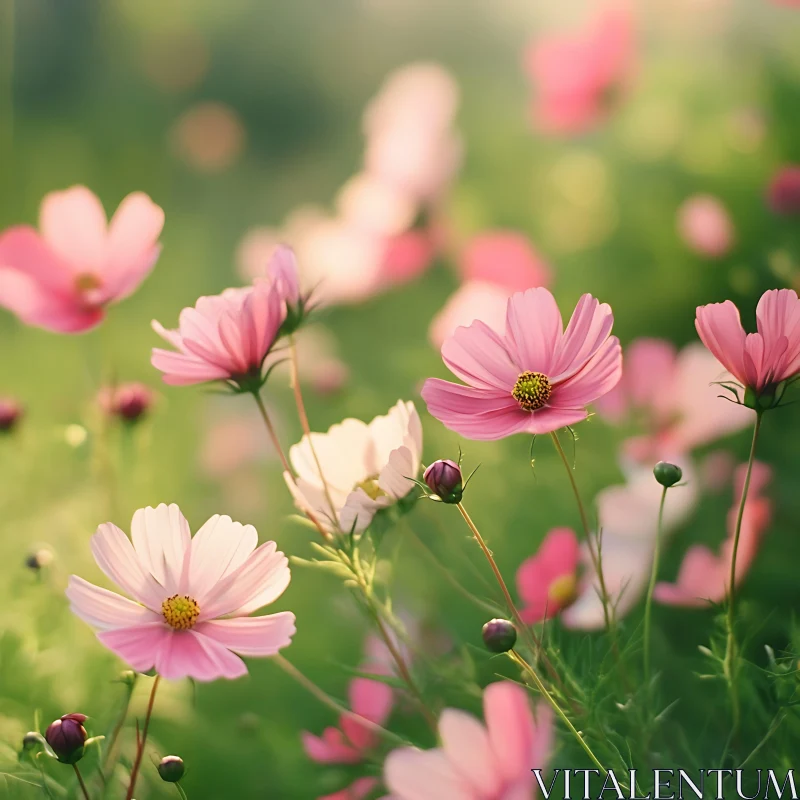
595, 556
731, 654
109, 757
142, 740
521, 662
78, 775
309, 685
650, 588
303, 417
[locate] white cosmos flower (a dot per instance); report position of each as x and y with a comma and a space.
366, 467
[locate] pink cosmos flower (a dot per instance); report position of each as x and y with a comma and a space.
705, 226
703, 576
535, 378
783, 195
192, 597
352, 740
548, 581
490, 761
759, 361
223, 338
365, 467
63, 277
675, 397
505, 258
577, 75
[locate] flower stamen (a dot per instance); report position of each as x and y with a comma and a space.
180, 612
532, 390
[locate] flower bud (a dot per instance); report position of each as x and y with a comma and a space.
667, 474
10, 412
128, 401
444, 479
499, 635
171, 769
39, 559
66, 737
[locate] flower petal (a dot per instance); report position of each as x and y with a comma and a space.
533, 330
588, 328
104, 609
252, 636
330, 748
598, 376
139, 645
466, 744
161, 538
412, 774
480, 358
218, 548
190, 654
23, 250
720, 328
509, 721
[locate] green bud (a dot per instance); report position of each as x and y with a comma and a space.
171, 769
667, 474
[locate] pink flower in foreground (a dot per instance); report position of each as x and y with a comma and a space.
192, 597
223, 338
490, 761
365, 468
783, 195
352, 740
759, 361
705, 226
675, 398
535, 378
505, 258
704, 576
64, 276
577, 76
548, 581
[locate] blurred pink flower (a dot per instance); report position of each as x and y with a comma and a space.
578, 76
376, 206
128, 401
10, 413
783, 195
534, 379
225, 337
359, 789
407, 255
193, 596
716, 470
759, 361
548, 581
705, 226
704, 576
365, 468
472, 300
282, 271
477, 761
352, 740
673, 394
209, 136
505, 258
628, 519
63, 277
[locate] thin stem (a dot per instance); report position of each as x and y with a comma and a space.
731, 655
80, 781
142, 741
516, 658
649, 601
328, 701
181, 791
604, 596
113, 738
303, 417
273, 435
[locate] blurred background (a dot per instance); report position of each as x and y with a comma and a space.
406, 151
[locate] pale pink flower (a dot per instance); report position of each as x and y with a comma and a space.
359, 789
472, 300
628, 518
505, 258
352, 740
759, 361
365, 467
783, 194
704, 576
675, 397
63, 277
192, 596
705, 226
282, 271
548, 581
577, 76
226, 337
478, 761
375, 205
535, 378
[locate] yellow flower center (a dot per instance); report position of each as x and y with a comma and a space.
180, 612
563, 590
86, 282
532, 390
371, 488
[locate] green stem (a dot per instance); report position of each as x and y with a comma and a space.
731, 654
181, 791
111, 743
143, 741
80, 781
651, 586
521, 662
